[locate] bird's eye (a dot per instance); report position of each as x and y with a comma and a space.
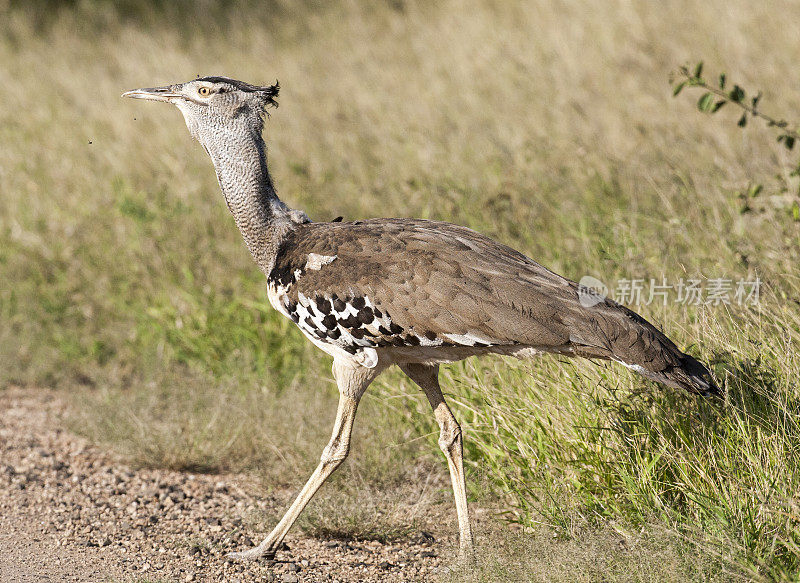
204, 91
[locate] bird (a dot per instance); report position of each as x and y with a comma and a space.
400, 291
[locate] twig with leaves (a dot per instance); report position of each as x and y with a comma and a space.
716, 96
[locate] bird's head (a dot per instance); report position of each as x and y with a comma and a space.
211, 105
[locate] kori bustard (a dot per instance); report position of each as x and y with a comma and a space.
409, 292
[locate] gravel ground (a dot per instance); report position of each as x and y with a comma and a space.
72, 512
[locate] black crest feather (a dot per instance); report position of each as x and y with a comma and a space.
269, 92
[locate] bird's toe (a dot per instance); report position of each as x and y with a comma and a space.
251, 554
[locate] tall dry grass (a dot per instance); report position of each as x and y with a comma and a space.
547, 125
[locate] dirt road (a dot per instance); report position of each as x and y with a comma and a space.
72, 512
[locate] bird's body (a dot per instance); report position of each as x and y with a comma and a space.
405, 290
409, 292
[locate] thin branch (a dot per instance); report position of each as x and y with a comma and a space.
695, 80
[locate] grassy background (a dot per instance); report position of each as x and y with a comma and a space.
547, 125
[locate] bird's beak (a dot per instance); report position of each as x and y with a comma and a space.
166, 93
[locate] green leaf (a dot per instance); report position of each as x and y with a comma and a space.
736, 94
789, 142
756, 99
796, 212
678, 88
718, 105
742, 121
722, 80
698, 70
705, 103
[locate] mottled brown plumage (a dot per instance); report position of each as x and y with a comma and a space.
401, 291
437, 280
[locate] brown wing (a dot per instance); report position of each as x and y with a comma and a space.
440, 283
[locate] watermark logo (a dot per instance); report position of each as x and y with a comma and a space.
718, 291
591, 291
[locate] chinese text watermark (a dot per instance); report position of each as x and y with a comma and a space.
686, 291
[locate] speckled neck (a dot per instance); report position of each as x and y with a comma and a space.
240, 160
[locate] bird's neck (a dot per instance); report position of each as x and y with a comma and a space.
241, 165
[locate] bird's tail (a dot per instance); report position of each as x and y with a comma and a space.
620, 334
689, 373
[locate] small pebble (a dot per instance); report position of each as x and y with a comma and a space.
427, 554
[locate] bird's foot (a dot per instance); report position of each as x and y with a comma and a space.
252, 554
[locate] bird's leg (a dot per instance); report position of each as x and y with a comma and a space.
352, 381
450, 442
